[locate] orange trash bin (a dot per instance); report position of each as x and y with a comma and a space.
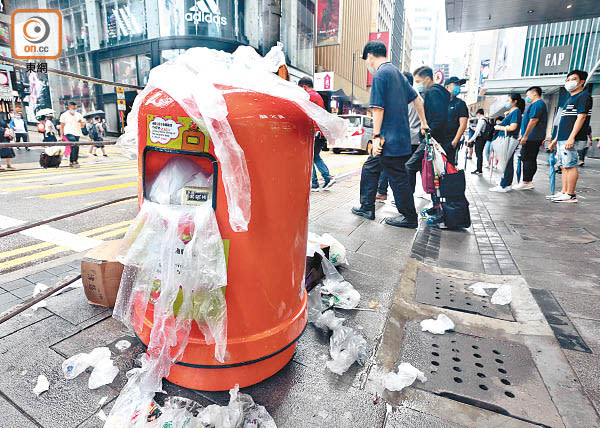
266, 299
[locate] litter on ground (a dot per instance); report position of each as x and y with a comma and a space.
42, 385
437, 326
502, 295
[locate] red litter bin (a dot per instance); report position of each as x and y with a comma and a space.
266, 299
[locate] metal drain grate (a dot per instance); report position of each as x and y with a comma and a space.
451, 293
546, 233
496, 375
426, 246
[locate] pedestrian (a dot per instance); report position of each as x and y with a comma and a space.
307, 84
533, 133
488, 150
436, 100
415, 139
479, 140
19, 126
572, 134
509, 127
583, 152
99, 126
50, 132
472, 126
458, 114
71, 123
6, 135
390, 95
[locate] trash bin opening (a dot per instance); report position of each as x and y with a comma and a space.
155, 159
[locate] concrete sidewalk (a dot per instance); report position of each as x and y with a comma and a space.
532, 363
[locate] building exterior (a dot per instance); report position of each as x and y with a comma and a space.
397, 35
121, 40
344, 59
407, 46
382, 15
539, 55
425, 23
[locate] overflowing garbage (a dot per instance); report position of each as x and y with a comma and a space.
502, 295
437, 326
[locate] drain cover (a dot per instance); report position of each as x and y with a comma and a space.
450, 293
495, 375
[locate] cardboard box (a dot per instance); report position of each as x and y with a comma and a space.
101, 274
314, 270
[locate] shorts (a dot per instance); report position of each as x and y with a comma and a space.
569, 158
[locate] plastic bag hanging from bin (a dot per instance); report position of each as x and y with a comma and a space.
190, 80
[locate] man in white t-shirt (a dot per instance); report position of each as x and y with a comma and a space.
19, 125
71, 122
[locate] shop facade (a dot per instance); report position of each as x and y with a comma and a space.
122, 40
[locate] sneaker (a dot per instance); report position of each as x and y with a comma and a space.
329, 183
476, 172
27, 149
426, 212
500, 189
381, 198
556, 195
581, 163
105, 156
315, 188
10, 167
566, 198
94, 154
524, 186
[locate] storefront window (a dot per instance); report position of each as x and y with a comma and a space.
169, 54
106, 73
125, 70
297, 33
75, 29
144, 65
124, 21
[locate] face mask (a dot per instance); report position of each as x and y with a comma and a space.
420, 88
528, 100
371, 70
571, 85
507, 105
456, 90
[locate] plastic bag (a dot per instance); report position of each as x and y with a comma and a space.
190, 78
437, 326
405, 376
344, 294
502, 295
77, 364
346, 347
337, 252
104, 373
176, 173
504, 147
54, 150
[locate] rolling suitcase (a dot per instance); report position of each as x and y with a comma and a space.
47, 161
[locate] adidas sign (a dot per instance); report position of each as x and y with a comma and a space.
205, 11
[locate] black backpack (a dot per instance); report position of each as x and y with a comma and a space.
488, 130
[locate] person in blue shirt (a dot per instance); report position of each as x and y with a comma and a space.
533, 133
390, 96
510, 128
572, 133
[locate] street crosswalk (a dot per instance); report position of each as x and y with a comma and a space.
99, 180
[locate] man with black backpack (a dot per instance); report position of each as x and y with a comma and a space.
483, 133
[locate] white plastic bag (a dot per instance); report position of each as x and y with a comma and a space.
42, 385
344, 294
502, 295
437, 326
405, 376
77, 364
175, 174
104, 373
346, 347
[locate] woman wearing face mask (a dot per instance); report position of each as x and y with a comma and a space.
510, 128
